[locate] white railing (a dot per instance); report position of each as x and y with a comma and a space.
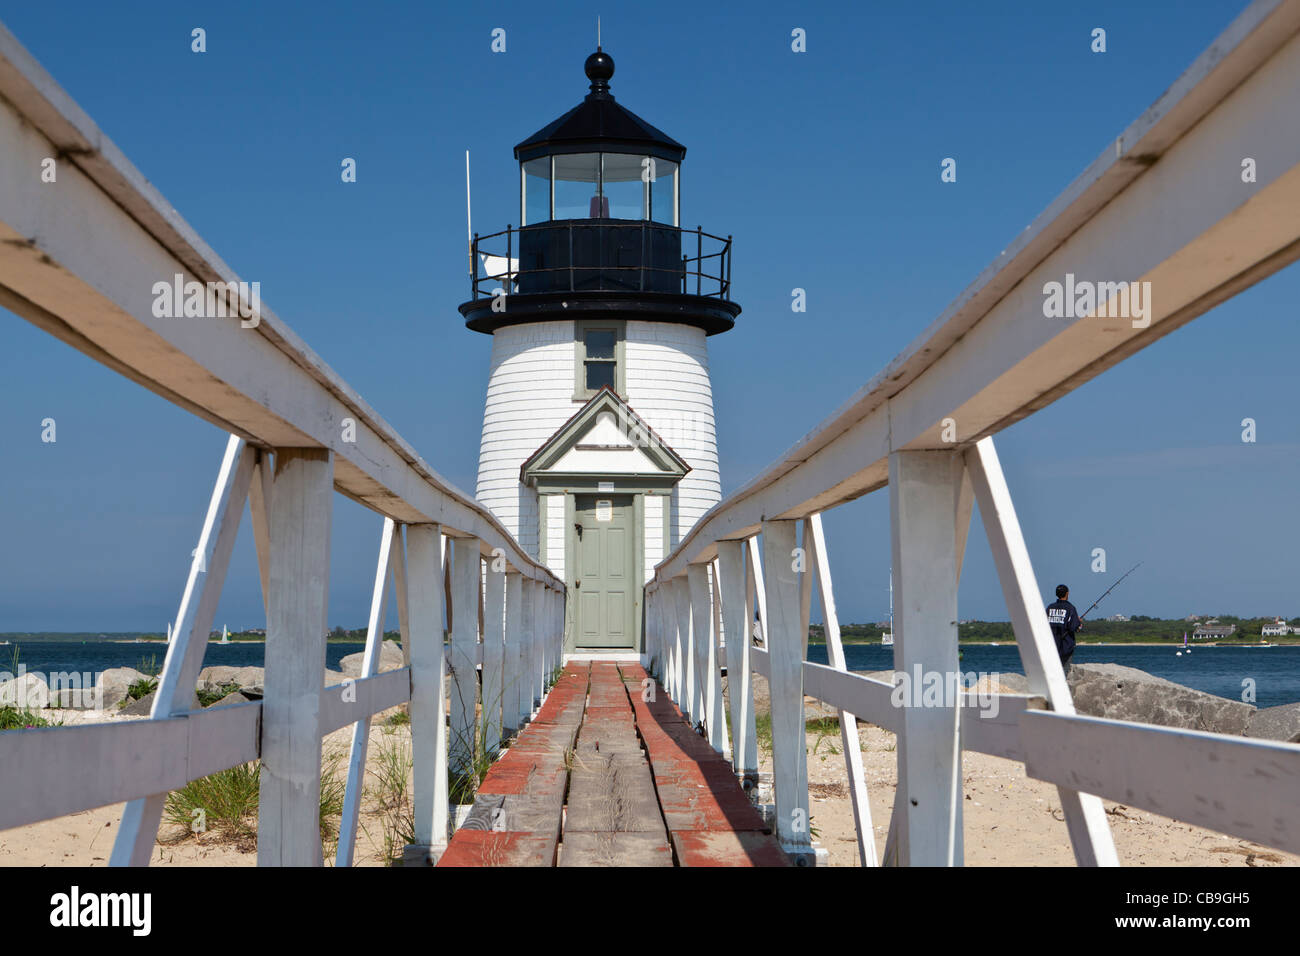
80, 259
1166, 205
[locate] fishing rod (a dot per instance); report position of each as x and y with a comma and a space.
1111, 588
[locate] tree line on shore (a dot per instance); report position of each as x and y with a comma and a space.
1139, 629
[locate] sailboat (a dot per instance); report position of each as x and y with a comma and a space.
887, 638
225, 635
169, 632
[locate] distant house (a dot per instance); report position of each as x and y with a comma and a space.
1209, 632
1119, 618
1192, 618
1279, 628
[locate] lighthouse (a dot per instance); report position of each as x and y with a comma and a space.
599, 451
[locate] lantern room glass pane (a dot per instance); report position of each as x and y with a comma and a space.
537, 190
625, 187
577, 186
663, 191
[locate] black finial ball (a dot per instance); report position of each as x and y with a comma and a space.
600, 68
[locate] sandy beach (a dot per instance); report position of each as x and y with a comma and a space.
1009, 819
86, 838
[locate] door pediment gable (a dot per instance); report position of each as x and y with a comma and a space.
604, 437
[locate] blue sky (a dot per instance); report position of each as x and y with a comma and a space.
823, 165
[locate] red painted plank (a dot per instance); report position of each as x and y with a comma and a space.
721, 848
497, 848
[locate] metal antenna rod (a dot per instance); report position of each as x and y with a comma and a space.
598, 33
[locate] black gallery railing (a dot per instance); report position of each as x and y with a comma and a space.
589, 255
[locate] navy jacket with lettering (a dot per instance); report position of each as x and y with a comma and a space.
1064, 619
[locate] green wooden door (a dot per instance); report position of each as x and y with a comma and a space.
605, 571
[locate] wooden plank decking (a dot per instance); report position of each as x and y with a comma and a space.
603, 777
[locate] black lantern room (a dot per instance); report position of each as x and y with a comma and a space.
600, 234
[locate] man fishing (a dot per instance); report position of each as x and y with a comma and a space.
1065, 622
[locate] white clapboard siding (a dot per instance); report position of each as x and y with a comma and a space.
529, 396
653, 535
667, 376
555, 535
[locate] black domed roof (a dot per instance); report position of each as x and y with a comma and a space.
599, 123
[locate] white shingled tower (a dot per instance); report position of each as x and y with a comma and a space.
598, 450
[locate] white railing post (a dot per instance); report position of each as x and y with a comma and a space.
428, 694
399, 592
528, 649
462, 667
288, 820
815, 542
785, 677
1085, 815
539, 642
757, 590
665, 639
648, 630
557, 628
706, 656
718, 652
175, 693
660, 596
513, 695
663, 650
544, 633
494, 633
687, 698
923, 491
740, 683
390, 539
259, 510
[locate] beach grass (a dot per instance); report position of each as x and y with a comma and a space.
391, 793
209, 697
225, 804
15, 718
763, 732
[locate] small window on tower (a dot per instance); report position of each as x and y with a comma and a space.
600, 362
598, 357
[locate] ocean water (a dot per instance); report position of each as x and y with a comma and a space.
1215, 670
44, 657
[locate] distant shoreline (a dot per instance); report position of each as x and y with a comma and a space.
1011, 642
57, 638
